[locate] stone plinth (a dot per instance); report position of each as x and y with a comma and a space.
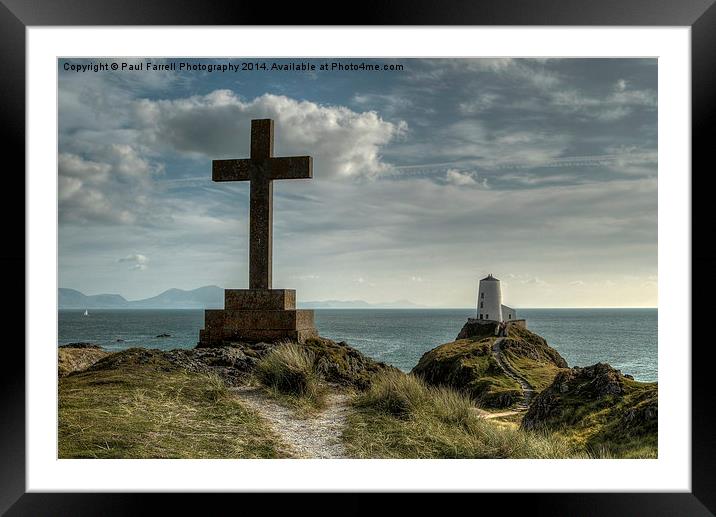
252, 315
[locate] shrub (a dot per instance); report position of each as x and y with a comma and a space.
394, 393
289, 369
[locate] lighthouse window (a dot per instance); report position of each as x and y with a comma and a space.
482, 296
481, 305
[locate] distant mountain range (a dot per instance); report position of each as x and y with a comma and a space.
208, 297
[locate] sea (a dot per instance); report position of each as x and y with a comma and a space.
624, 338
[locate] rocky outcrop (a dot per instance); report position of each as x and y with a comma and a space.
343, 364
335, 362
476, 329
76, 357
81, 344
586, 385
469, 364
597, 405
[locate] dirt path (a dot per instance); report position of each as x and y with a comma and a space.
318, 436
489, 415
528, 390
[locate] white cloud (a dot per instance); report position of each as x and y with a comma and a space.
138, 261
614, 105
386, 103
482, 102
535, 280
456, 177
558, 224
344, 143
112, 184
557, 89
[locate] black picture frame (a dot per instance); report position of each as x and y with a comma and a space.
700, 15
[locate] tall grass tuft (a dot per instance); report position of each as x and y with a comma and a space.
394, 393
289, 369
400, 416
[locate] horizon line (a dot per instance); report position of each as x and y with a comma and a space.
417, 305
364, 308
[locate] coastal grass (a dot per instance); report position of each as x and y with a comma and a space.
469, 365
604, 424
141, 411
289, 374
400, 416
539, 374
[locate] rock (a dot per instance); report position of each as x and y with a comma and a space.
336, 363
342, 364
77, 357
231, 363
146, 357
585, 384
164, 335
476, 329
81, 344
599, 405
119, 340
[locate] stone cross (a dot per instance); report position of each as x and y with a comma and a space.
261, 169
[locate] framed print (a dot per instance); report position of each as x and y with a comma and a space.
444, 251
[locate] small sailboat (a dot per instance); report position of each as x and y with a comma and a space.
86, 313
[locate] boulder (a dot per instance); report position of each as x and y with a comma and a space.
77, 357
597, 406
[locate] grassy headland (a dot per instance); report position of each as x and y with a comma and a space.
149, 408
468, 364
142, 403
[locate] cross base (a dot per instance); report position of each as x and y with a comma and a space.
253, 315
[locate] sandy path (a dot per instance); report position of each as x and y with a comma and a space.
318, 436
488, 415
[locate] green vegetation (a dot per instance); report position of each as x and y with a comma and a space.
142, 403
289, 372
624, 425
342, 364
599, 409
402, 417
468, 364
148, 408
538, 373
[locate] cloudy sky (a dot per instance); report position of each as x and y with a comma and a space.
542, 172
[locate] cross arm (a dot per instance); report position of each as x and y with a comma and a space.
291, 167
231, 170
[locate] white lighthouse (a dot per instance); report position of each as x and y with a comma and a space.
489, 301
